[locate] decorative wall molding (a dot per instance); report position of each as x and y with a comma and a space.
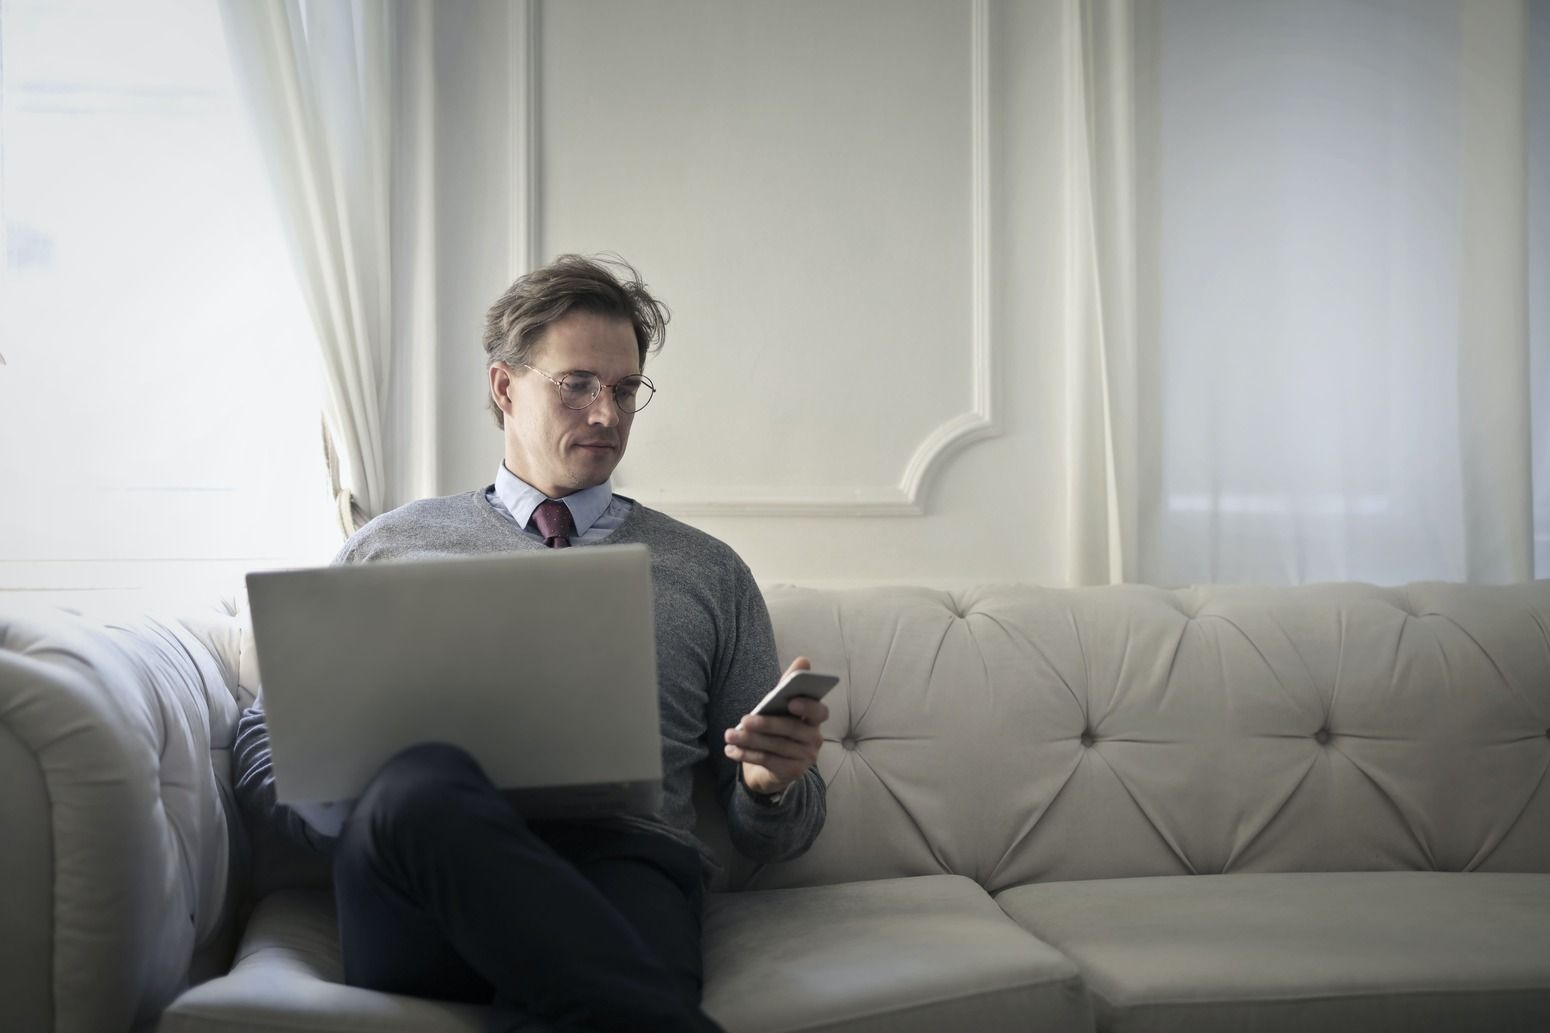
906, 497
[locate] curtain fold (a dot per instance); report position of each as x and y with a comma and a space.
318, 81
1102, 357
1493, 355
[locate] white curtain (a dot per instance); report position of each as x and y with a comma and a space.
1539, 270
1299, 289
317, 77
1102, 359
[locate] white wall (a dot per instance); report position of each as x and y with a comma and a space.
856, 217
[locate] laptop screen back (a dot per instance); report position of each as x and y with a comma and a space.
541, 665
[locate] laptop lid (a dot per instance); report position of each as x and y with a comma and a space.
542, 665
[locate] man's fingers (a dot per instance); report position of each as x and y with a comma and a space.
789, 727
783, 768
806, 749
811, 711
773, 733
802, 750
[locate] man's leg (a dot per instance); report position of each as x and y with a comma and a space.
389, 940
653, 881
431, 839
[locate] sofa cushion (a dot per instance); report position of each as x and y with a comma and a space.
287, 979
929, 953
1413, 951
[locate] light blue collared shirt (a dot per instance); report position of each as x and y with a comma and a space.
597, 511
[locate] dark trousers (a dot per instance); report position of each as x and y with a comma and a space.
444, 891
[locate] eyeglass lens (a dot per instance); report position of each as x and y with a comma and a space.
578, 389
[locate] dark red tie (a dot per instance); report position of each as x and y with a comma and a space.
554, 522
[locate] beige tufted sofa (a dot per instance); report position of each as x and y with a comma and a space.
1121, 808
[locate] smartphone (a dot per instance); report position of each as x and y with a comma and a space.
797, 683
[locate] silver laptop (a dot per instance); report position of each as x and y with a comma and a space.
541, 665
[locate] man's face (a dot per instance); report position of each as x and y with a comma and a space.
555, 449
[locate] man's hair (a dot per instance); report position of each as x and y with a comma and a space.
571, 283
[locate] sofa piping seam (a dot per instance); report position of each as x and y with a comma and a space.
1294, 999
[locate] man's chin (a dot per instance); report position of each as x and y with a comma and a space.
590, 475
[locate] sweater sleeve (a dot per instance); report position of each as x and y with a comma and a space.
313, 827
256, 792
747, 669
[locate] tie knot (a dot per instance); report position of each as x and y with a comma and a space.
554, 522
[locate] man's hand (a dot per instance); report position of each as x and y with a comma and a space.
776, 751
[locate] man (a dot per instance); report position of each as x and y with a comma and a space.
442, 889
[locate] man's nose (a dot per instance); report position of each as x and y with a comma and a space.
604, 410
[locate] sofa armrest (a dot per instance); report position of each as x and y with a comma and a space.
117, 845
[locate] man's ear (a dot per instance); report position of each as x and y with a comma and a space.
500, 387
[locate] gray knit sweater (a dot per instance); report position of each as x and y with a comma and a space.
715, 660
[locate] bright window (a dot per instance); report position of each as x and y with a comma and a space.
160, 398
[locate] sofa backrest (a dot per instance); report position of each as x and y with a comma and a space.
1013, 734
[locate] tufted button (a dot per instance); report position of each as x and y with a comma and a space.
849, 742
1321, 736
1087, 738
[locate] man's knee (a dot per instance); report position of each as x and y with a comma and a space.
419, 790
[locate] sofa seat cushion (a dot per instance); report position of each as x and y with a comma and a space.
925, 953
287, 978
1368, 951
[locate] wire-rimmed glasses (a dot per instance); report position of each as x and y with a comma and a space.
579, 388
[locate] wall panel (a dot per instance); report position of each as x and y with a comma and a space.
854, 212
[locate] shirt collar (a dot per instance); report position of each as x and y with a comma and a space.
521, 498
